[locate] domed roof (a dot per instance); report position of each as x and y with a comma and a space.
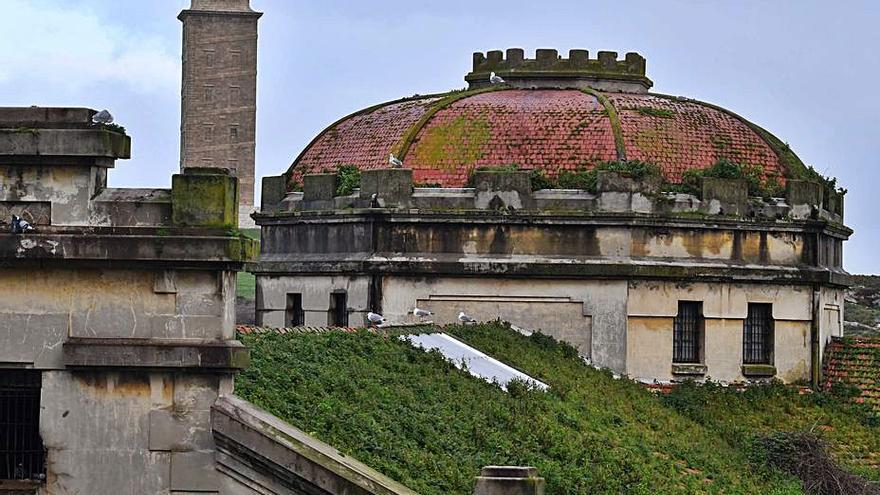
552, 118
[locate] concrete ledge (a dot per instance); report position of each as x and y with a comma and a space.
262, 451
108, 244
212, 355
689, 369
759, 370
54, 143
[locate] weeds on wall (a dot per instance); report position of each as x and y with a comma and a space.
348, 177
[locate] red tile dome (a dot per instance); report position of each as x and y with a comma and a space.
546, 123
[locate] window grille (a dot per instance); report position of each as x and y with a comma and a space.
758, 334
338, 309
22, 456
295, 313
687, 332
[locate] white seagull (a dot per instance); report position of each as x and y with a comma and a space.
375, 319
465, 318
394, 161
20, 225
102, 117
421, 313
495, 79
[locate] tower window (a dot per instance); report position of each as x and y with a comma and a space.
22, 455
687, 334
235, 57
234, 95
233, 132
209, 58
338, 312
209, 92
758, 338
295, 316
208, 132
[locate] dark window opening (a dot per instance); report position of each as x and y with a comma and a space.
295, 314
22, 455
687, 333
758, 334
338, 316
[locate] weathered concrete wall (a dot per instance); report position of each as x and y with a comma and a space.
272, 298
588, 314
40, 309
134, 432
652, 307
68, 189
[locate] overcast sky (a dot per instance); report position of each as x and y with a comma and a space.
803, 70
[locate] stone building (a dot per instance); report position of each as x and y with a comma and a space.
219, 92
641, 277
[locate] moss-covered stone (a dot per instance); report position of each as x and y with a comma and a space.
201, 198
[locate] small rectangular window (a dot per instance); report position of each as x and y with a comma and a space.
234, 95
22, 455
235, 57
338, 313
687, 334
758, 340
208, 132
233, 132
209, 92
209, 58
295, 315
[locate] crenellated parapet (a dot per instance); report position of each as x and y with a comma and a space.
549, 69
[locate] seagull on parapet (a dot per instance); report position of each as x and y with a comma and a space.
495, 79
20, 225
421, 313
394, 161
465, 318
374, 201
102, 117
375, 318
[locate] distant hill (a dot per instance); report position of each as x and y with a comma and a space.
420, 420
862, 307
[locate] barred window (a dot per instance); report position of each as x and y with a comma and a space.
338, 314
758, 334
687, 334
295, 313
22, 456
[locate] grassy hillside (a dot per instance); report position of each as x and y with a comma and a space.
418, 419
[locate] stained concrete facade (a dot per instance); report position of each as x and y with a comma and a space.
603, 271
126, 316
219, 91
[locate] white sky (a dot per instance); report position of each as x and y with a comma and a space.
804, 70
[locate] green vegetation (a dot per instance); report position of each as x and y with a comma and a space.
113, 128
415, 417
743, 417
454, 144
246, 283
582, 178
723, 168
348, 177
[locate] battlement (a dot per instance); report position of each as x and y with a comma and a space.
549, 69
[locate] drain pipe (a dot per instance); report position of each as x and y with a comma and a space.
815, 335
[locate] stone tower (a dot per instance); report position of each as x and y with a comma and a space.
219, 92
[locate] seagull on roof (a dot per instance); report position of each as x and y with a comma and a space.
495, 79
465, 318
102, 117
421, 313
374, 201
375, 318
20, 225
394, 161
